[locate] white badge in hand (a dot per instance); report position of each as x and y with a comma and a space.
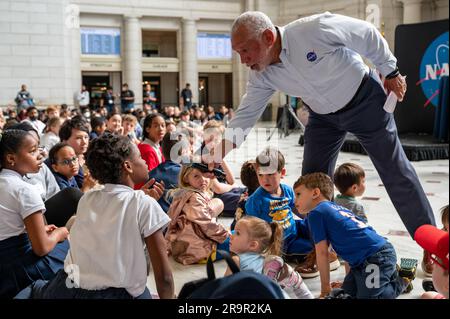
391, 103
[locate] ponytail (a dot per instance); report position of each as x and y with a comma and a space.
276, 240
270, 236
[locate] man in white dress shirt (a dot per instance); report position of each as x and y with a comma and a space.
318, 59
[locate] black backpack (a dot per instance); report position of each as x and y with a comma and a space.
239, 285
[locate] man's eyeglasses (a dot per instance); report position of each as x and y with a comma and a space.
69, 161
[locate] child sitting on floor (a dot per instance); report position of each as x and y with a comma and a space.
98, 127
427, 283
355, 241
106, 258
273, 201
435, 241
154, 131
29, 249
350, 180
129, 123
194, 232
223, 187
257, 245
249, 179
65, 165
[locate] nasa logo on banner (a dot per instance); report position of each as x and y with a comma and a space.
421, 50
434, 65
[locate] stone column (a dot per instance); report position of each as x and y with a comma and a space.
70, 32
250, 5
412, 11
76, 57
132, 53
441, 9
240, 78
189, 69
240, 71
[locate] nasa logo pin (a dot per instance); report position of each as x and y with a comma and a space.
311, 56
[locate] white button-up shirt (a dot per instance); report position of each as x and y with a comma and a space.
320, 62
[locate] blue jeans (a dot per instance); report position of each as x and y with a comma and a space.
230, 201
300, 244
377, 277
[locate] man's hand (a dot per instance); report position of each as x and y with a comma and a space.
153, 188
396, 85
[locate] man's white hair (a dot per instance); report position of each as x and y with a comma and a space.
255, 22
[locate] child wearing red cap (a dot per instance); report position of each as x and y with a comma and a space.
436, 242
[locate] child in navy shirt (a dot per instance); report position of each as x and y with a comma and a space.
372, 259
64, 164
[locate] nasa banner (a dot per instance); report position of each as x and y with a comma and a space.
422, 53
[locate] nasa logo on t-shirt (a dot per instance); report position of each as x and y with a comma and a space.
311, 56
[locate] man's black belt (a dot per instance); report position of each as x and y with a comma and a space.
350, 104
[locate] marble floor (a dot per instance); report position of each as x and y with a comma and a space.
434, 176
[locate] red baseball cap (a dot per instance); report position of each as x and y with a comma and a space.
435, 241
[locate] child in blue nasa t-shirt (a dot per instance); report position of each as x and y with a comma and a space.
372, 259
274, 202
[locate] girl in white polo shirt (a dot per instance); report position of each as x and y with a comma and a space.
29, 249
106, 258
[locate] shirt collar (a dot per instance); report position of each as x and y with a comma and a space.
117, 188
150, 142
10, 172
284, 43
344, 196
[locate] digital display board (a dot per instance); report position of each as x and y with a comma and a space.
213, 46
104, 41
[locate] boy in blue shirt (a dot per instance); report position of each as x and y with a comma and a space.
274, 202
372, 259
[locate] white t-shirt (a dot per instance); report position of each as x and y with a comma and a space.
83, 98
44, 181
38, 125
49, 140
18, 200
107, 238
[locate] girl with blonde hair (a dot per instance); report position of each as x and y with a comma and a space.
257, 246
194, 232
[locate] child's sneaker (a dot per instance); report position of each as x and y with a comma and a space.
309, 268
338, 294
409, 287
272, 266
427, 284
408, 268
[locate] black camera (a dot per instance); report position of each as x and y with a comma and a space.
204, 169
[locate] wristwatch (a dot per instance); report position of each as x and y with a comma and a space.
393, 74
